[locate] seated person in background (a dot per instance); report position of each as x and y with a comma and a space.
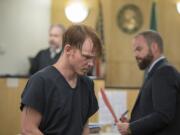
50, 55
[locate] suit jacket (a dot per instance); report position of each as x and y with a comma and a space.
42, 60
157, 108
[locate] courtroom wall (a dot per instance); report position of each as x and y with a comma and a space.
24, 28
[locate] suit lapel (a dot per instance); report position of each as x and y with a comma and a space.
149, 75
156, 67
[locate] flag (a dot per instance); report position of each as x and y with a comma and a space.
100, 31
153, 26
153, 21
99, 23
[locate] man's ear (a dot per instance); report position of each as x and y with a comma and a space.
67, 49
154, 47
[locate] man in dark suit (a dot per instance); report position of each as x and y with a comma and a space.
50, 55
157, 108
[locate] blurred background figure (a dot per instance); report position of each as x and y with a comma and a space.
51, 54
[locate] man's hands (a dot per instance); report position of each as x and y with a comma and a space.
124, 119
123, 128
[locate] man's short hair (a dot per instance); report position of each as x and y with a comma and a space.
60, 26
75, 36
152, 36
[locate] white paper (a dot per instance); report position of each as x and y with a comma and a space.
12, 82
118, 100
